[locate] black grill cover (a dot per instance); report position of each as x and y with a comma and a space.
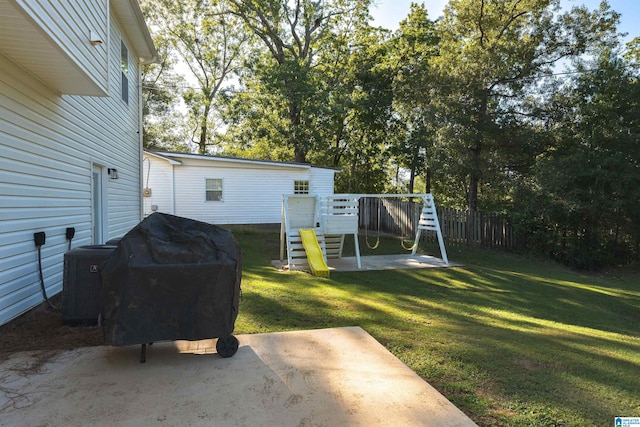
171, 278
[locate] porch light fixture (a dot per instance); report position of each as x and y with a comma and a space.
113, 173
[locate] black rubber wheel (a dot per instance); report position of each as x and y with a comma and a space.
227, 346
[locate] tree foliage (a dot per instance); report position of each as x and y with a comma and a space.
211, 47
589, 180
491, 55
507, 105
293, 34
414, 48
162, 122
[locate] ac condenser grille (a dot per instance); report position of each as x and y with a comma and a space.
81, 289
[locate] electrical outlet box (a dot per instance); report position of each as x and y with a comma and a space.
70, 233
39, 238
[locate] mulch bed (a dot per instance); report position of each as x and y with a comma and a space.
41, 329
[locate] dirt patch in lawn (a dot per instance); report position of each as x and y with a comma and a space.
531, 365
42, 330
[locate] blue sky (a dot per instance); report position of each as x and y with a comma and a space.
389, 13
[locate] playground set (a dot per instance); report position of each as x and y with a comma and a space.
313, 229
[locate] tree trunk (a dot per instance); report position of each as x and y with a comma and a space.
202, 143
473, 191
338, 153
299, 148
203, 140
476, 168
428, 181
412, 179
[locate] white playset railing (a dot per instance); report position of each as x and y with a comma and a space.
335, 216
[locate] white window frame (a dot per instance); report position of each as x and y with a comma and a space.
207, 189
124, 72
301, 186
99, 197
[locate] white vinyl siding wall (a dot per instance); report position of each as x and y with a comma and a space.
252, 191
49, 144
158, 176
321, 181
252, 195
69, 25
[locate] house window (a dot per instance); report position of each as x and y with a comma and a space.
213, 191
300, 187
124, 67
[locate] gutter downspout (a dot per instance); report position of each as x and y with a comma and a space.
141, 141
173, 188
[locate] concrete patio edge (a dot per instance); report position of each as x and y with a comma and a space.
338, 376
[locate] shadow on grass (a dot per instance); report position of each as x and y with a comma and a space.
510, 341
545, 342
303, 302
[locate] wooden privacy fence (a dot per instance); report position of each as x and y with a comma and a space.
400, 217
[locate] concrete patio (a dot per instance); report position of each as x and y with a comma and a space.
328, 377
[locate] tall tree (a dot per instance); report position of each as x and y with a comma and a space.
592, 174
414, 47
210, 45
492, 54
162, 122
292, 32
363, 114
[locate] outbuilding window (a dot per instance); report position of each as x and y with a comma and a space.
300, 187
213, 191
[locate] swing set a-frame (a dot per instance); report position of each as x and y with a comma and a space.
334, 216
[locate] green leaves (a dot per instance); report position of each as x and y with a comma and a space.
477, 98
209, 46
592, 170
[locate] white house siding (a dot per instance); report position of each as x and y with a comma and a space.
67, 27
251, 194
321, 181
251, 190
158, 176
48, 145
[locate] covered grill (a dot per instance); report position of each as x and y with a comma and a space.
172, 278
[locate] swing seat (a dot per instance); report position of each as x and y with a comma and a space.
366, 234
375, 246
408, 248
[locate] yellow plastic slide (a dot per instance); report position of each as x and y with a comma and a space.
314, 254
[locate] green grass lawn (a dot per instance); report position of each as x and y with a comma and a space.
509, 340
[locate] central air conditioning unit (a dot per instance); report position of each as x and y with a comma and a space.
81, 286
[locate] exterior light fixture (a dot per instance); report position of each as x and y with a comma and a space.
113, 173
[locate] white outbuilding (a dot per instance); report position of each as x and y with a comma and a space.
226, 190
